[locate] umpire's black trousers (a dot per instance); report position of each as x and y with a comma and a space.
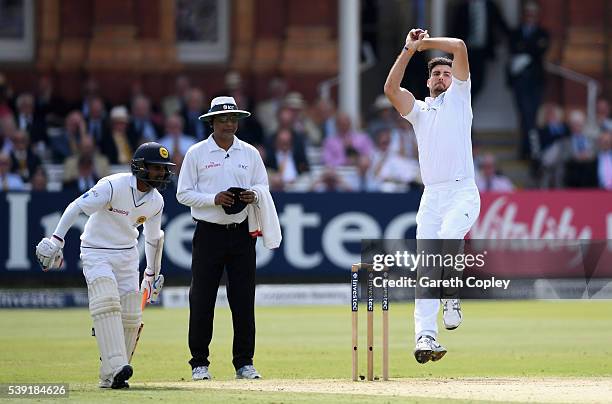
216, 247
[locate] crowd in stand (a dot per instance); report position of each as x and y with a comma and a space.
571, 152
305, 147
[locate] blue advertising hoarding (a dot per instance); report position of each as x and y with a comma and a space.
321, 236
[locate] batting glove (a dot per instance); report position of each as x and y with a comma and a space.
151, 286
49, 253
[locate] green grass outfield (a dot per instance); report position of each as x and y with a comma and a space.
497, 339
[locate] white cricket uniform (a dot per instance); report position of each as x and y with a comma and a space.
450, 203
108, 244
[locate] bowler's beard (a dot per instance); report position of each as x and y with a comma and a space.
437, 90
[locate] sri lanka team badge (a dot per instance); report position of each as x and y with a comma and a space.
163, 152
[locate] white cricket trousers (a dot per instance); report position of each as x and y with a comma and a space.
447, 211
120, 265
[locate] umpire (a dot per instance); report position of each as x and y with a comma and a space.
215, 181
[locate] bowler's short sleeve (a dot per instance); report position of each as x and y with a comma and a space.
461, 88
417, 108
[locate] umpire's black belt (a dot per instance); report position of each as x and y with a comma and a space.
229, 226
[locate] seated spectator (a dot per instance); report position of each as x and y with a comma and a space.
39, 180
488, 179
142, 128
551, 135
136, 90
30, 123
194, 107
553, 128
286, 158
384, 116
300, 121
324, 117
8, 180
330, 181
582, 148
98, 125
5, 97
233, 82
604, 160
86, 177
267, 110
403, 139
86, 150
50, 107
24, 161
602, 113
176, 102
90, 91
580, 168
285, 122
176, 141
345, 147
67, 143
116, 146
7, 131
388, 170
249, 128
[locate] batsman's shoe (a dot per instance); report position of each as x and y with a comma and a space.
451, 313
247, 372
107, 383
120, 378
427, 348
200, 373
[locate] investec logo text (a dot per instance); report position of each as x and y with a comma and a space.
340, 232
336, 235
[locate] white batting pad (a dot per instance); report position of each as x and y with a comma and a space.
131, 315
105, 309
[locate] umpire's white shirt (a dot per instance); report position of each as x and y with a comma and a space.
115, 212
208, 169
443, 131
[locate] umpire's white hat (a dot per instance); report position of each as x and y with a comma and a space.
224, 105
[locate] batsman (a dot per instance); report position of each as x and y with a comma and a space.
117, 205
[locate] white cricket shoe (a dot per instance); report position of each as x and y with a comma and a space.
200, 373
119, 379
105, 383
108, 383
427, 348
451, 313
247, 372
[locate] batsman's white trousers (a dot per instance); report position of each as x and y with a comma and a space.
447, 211
120, 265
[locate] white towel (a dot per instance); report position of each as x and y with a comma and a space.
263, 219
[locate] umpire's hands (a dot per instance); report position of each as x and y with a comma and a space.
248, 197
224, 198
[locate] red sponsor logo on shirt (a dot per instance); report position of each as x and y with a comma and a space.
121, 212
212, 164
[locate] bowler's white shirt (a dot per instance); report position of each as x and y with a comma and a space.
115, 213
443, 128
208, 169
